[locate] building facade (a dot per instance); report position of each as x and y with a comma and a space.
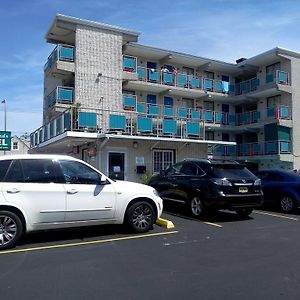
19, 145
131, 109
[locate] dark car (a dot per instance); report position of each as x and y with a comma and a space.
281, 188
203, 184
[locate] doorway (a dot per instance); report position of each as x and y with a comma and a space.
116, 165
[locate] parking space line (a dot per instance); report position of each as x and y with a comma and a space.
275, 215
213, 224
87, 242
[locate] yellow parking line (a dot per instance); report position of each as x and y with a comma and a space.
87, 242
213, 224
275, 215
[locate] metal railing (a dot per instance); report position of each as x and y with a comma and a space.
62, 53
254, 149
61, 94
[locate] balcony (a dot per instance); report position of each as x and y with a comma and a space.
62, 53
172, 79
254, 149
61, 95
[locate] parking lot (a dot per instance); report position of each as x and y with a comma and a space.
220, 257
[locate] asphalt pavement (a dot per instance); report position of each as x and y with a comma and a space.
220, 257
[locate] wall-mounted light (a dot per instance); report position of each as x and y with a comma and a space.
135, 145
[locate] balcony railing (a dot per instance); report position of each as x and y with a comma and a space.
152, 122
63, 95
279, 77
62, 53
254, 149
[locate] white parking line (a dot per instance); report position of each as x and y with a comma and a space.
275, 215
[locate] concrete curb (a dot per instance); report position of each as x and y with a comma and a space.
165, 223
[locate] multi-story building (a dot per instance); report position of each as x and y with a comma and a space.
129, 108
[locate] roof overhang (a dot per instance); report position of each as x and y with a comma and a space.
69, 139
269, 57
63, 28
167, 56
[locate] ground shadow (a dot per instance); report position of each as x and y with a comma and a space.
180, 210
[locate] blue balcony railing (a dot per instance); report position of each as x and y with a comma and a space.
279, 77
62, 53
61, 95
254, 149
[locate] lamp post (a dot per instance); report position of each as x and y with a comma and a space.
4, 102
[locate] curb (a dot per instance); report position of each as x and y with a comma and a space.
165, 223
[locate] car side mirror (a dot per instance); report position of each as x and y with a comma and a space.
103, 180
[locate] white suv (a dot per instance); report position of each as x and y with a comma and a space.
39, 192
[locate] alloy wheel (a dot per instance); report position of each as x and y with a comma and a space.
287, 204
8, 230
196, 206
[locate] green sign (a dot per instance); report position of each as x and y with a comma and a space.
5, 140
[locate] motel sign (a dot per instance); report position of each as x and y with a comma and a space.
5, 140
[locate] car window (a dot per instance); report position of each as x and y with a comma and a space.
232, 172
39, 170
78, 173
175, 169
15, 173
4, 165
191, 169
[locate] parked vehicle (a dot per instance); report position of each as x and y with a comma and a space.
281, 188
203, 184
41, 192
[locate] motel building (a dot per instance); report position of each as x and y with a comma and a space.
131, 110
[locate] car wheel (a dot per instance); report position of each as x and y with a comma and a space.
10, 229
140, 216
287, 203
196, 207
244, 212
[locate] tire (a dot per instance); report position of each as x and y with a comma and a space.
244, 212
196, 207
140, 216
287, 204
11, 229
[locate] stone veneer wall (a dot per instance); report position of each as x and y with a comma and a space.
98, 52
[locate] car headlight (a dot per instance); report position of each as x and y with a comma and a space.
257, 182
222, 181
155, 192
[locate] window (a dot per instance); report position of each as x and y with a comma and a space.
4, 165
208, 105
273, 101
208, 75
15, 146
15, 173
187, 103
162, 159
191, 170
272, 68
33, 171
75, 172
209, 135
188, 71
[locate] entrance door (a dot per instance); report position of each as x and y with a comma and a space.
116, 165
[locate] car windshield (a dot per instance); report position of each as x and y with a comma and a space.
232, 172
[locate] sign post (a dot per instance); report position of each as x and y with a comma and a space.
5, 140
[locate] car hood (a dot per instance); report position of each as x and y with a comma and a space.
132, 187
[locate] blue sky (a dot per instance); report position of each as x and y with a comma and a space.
218, 29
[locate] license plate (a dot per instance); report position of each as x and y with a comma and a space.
243, 189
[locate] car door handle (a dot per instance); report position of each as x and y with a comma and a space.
13, 191
72, 192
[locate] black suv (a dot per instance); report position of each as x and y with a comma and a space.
203, 184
